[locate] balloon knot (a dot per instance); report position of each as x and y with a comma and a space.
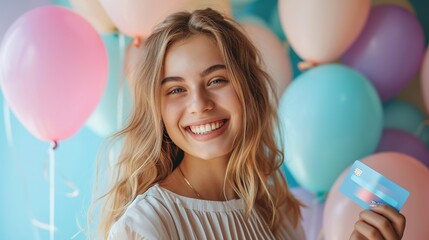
137, 41
54, 144
304, 65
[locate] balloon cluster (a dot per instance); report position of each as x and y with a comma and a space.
61, 69
356, 58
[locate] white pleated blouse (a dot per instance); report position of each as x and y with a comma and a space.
162, 214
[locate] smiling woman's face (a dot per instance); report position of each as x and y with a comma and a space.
199, 106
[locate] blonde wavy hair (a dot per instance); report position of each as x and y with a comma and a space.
147, 158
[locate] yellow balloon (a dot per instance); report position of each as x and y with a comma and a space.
402, 3
223, 6
95, 14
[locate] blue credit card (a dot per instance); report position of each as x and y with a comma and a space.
364, 186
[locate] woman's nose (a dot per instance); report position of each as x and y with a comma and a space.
201, 102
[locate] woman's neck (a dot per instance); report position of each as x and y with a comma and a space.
203, 179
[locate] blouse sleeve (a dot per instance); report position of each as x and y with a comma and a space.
120, 230
145, 219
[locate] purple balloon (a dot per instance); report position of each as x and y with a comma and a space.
312, 215
389, 50
397, 140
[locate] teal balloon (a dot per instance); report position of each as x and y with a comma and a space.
291, 182
294, 60
252, 19
108, 117
422, 12
63, 3
275, 24
402, 115
241, 2
405, 116
262, 8
259, 8
330, 116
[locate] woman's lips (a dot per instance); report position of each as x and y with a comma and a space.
208, 131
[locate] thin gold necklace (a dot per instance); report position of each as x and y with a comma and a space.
189, 184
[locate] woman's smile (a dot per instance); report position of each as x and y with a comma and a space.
208, 131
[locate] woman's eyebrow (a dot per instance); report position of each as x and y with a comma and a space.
202, 74
212, 69
171, 79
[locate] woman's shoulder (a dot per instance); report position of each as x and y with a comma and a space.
147, 217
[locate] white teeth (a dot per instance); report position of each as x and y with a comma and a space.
206, 128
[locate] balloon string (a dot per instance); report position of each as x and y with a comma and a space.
306, 65
120, 99
8, 126
137, 41
54, 145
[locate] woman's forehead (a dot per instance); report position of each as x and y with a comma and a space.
191, 56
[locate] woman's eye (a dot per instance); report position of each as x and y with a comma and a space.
176, 91
217, 81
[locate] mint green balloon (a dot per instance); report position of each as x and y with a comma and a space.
330, 116
402, 115
112, 111
63, 3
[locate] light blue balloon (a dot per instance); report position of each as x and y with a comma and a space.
330, 116
402, 115
105, 120
291, 182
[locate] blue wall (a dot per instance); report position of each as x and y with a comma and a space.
25, 189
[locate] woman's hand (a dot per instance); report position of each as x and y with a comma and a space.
381, 222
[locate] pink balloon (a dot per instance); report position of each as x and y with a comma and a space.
274, 55
341, 213
137, 18
320, 31
54, 70
425, 79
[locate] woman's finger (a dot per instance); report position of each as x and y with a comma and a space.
398, 220
381, 223
357, 236
368, 231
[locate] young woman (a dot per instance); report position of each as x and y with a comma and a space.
199, 159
